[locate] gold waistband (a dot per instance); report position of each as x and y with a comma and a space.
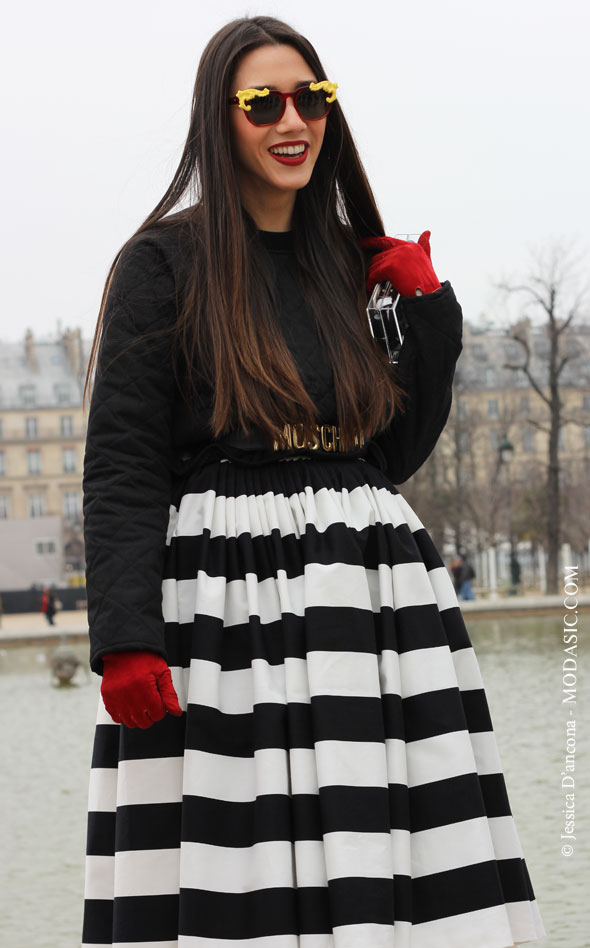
324, 438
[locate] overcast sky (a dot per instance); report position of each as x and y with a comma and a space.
471, 118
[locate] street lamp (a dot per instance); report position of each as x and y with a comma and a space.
505, 450
505, 455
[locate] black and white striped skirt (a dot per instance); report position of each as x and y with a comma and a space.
334, 781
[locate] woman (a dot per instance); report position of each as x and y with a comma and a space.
293, 740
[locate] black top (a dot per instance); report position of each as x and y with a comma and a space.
141, 438
278, 241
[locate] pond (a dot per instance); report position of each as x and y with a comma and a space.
47, 741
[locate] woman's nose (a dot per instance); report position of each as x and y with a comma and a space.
291, 116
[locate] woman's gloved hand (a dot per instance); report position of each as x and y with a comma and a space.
137, 688
405, 264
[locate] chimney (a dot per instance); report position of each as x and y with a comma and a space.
30, 354
72, 342
521, 329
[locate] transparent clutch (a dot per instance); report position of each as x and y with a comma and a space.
386, 324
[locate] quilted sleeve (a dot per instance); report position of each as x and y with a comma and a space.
128, 455
426, 368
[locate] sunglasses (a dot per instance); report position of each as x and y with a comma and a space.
263, 107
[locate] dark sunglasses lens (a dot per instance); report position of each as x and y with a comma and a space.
265, 109
313, 105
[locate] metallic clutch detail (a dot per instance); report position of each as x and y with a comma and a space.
386, 325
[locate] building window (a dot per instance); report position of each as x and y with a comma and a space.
561, 439
491, 378
43, 547
34, 462
2, 467
493, 411
36, 505
523, 406
68, 460
71, 505
528, 439
512, 350
462, 408
586, 403
587, 436
479, 351
27, 394
62, 394
4, 506
541, 348
464, 442
31, 427
66, 426
1, 434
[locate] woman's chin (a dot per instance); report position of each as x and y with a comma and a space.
292, 181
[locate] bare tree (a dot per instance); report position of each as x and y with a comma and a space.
551, 290
461, 496
442, 488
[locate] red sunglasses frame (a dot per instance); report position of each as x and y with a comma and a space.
284, 96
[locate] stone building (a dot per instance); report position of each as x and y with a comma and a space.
42, 433
493, 402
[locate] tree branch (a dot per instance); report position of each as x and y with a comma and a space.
524, 289
581, 422
525, 369
538, 425
561, 365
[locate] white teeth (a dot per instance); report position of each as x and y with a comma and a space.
289, 150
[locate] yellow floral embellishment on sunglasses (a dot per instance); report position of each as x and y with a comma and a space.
327, 86
244, 95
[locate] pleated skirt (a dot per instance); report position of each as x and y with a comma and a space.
334, 781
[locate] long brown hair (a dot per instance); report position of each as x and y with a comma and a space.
227, 324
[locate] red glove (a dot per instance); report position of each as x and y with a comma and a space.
137, 688
405, 264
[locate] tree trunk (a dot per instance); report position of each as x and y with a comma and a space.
553, 505
553, 531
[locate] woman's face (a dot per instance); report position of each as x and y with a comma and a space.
281, 68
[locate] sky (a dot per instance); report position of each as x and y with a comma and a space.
471, 119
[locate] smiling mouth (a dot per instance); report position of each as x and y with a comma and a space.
290, 159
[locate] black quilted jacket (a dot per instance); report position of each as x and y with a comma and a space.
141, 439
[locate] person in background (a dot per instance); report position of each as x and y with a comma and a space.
465, 574
454, 567
51, 607
45, 604
49, 604
515, 572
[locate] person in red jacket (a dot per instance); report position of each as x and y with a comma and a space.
293, 744
48, 605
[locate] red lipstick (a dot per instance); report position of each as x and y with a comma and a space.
290, 159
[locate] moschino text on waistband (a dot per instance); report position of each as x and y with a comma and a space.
324, 438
